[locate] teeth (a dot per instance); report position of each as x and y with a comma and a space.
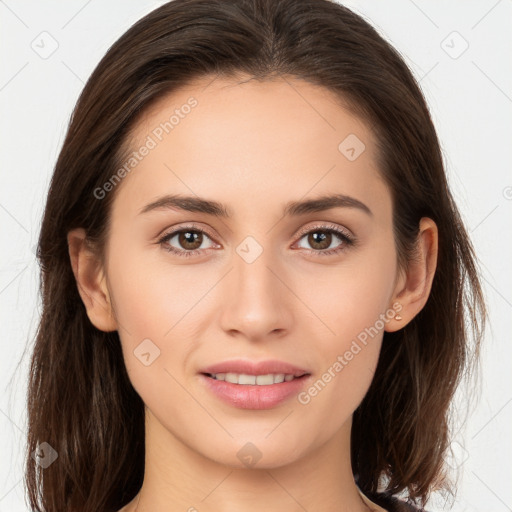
243, 379
258, 380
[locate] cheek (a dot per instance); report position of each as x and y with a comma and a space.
153, 297
153, 301
352, 302
333, 396
350, 298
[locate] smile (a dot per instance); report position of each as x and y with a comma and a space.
258, 380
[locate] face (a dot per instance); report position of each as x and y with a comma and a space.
261, 277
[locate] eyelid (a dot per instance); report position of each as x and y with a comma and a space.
325, 225
173, 230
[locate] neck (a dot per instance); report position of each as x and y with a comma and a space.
179, 478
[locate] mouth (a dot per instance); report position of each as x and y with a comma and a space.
255, 390
243, 371
250, 384
245, 379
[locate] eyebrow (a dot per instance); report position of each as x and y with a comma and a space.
292, 208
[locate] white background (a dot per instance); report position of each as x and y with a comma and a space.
471, 101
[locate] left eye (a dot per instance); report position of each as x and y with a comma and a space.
322, 238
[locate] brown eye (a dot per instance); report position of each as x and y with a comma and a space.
186, 241
321, 239
190, 239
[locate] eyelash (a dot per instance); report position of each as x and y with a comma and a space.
346, 239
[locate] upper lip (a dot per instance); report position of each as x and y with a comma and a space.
248, 367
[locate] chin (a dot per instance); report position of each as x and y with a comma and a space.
259, 451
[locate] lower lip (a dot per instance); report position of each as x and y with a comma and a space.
247, 396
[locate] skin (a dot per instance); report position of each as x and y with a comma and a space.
253, 146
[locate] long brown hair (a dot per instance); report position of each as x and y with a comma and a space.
80, 399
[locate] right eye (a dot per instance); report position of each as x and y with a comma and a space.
189, 238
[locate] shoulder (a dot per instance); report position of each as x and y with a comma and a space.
393, 504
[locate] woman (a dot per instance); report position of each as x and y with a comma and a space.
257, 289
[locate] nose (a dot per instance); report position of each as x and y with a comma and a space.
256, 302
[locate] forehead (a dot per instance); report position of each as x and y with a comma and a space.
289, 107
252, 140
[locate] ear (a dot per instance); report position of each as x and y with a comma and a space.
91, 281
414, 284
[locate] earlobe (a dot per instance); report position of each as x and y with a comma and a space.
91, 281
413, 289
